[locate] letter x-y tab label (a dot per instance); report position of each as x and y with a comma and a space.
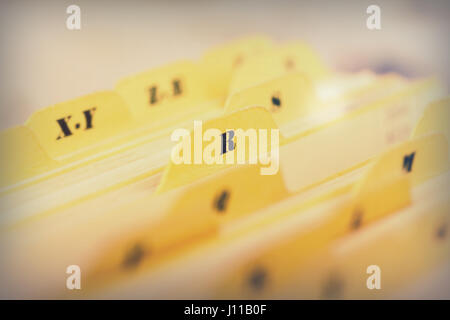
69, 127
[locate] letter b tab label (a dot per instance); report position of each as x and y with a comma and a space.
227, 141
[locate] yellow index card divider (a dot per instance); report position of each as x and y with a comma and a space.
299, 230
276, 62
423, 157
287, 97
150, 101
79, 127
332, 106
436, 118
220, 63
95, 139
376, 131
209, 267
75, 191
163, 232
101, 152
107, 122
235, 138
231, 194
385, 260
386, 188
220, 192
353, 138
22, 156
130, 236
151, 158
73, 238
227, 195
167, 94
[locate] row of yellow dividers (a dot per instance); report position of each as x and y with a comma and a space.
91, 182
67, 132
278, 250
370, 117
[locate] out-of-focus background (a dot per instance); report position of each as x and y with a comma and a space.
43, 63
